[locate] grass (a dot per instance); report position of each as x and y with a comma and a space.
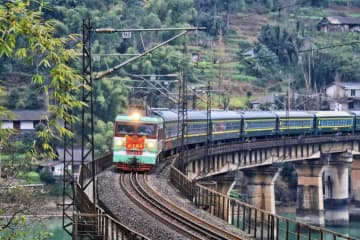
238, 102
9, 157
354, 15
243, 78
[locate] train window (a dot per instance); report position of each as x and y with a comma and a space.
146, 130
226, 126
171, 130
196, 128
260, 124
296, 123
335, 122
125, 129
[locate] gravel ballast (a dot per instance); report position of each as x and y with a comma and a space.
127, 212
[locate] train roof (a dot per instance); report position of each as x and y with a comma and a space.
223, 114
166, 114
172, 115
356, 113
331, 114
294, 114
258, 114
146, 119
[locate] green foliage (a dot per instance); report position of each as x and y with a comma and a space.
21, 228
25, 35
33, 101
281, 42
103, 136
47, 177
56, 190
30, 177
13, 99
288, 173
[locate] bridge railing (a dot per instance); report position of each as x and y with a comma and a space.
91, 220
257, 223
196, 154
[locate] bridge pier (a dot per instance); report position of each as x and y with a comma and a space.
260, 186
336, 193
309, 201
355, 179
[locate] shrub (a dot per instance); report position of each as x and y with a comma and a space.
47, 177
31, 177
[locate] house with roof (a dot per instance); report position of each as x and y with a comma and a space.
56, 167
268, 101
339, 24
344, 96
24, 120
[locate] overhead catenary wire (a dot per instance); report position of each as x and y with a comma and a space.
274, 55
274, 9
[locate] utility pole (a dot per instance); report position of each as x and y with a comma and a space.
182, 119
208, 127
70, 203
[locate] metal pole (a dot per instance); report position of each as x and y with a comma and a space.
1, 148
209, 126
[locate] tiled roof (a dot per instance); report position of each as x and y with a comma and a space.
343, 20
349, 85
76, 154
27, 115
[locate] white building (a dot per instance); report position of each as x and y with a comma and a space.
56, 167
339, 24
24, 119
344, 96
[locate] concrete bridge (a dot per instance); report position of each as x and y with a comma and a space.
260, 161
335, 159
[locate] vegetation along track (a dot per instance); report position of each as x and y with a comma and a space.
135, 186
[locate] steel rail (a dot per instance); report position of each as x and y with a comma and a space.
207, 231
127, 185
172, 207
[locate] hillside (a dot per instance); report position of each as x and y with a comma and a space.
243, 33
248, 49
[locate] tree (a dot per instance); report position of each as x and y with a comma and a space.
15, 202
13, 99
27, 37
33, 101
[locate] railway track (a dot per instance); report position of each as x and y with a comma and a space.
137, 189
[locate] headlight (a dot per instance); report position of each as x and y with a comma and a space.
119, 143
150, 145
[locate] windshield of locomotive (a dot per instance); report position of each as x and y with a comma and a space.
146, 130
124, 129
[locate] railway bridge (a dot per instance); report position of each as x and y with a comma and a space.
315, 159
260, 161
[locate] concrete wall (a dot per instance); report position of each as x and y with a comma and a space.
6, 124
59, 169
335, 91
26, 125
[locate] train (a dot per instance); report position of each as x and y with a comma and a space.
141, 140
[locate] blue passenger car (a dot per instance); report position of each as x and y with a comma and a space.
328, 121
171, 129
257, 124
357, 120
225, 124
295, 122
196, 126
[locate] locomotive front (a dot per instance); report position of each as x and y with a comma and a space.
135, 142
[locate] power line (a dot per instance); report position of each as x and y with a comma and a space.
276, 9
276, 56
